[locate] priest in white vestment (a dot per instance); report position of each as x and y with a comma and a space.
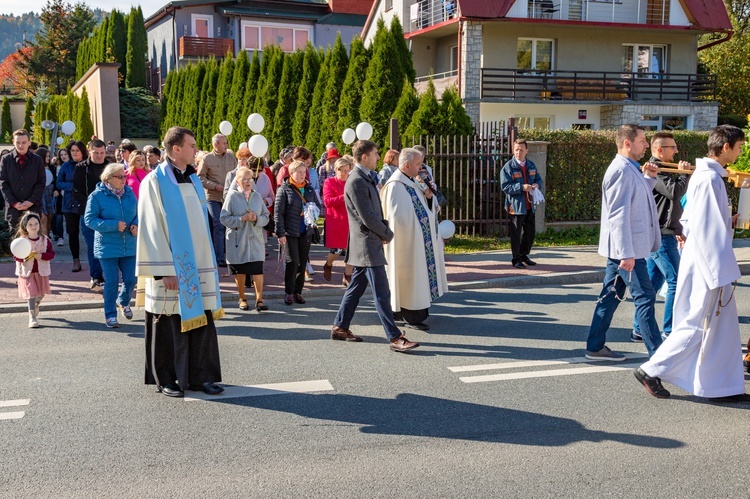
416, 263
703, 354
178, 281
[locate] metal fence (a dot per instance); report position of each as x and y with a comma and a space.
467, 171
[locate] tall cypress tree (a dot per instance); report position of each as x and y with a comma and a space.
265, 60
382, 86
330, 104
137, 49
288, 91
426, 118
404, 54
251, 90
453, 119
235, 107
351, 93
207, 119
28, 111
316, 108
116, 41
85, 125
193, 95
310, 70
166, 105
223, 87
405, 109
6, 122
270, 94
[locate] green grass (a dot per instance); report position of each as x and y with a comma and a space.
576, 236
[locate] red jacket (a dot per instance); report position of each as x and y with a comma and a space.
337, 221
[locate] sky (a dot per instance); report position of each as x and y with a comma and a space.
16, 7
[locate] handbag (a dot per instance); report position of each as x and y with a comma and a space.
315, 237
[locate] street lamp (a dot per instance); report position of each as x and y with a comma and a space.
67, 128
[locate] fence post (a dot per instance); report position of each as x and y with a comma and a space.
512, 134
538, 155
394, 134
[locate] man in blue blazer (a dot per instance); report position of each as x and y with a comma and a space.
629, 234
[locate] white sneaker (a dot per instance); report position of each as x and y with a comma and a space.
61, 242
33, 323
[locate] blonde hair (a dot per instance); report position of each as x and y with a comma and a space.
296, 165
110, 170
139, 154
340, 163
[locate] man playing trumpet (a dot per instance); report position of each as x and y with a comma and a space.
669, 188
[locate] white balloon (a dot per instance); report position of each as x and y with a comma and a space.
349, 136
243, 145
59, 141
68, 127
49, 178
255, 122
446, 229
364, 131
21, 247
225, 128
258, 146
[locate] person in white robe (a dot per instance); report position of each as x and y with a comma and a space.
703, 354
416, 263
178, 281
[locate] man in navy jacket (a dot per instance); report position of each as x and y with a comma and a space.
22, 179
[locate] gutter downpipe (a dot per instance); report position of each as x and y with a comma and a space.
176, 42
728, 36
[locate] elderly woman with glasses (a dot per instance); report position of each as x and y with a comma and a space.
112, 213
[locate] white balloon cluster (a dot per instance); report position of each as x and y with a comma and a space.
363, 132
257, 144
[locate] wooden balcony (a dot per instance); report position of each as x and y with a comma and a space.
197, 47
530, 85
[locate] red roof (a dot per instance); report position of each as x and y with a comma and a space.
705, 14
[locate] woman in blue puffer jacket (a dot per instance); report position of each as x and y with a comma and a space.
112, 213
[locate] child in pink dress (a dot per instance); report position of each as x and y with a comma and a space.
33, 271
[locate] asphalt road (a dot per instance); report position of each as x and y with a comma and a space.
377, 423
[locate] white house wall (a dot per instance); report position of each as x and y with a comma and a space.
563, 115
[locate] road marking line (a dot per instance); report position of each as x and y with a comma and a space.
11, 415
549, 373
321, 385
14, 403
535, 363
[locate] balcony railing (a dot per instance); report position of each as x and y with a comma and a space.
528, 84
195, 46
621, 11
426, 13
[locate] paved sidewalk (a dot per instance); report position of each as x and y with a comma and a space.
556, 265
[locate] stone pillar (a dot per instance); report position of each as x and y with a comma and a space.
538, 155
103, 88
471, 68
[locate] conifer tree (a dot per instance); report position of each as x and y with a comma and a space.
193, 95
404, 54
117, 41
382, 86
207, 119
316, 108
452, 119
235, 107
265, 59
310, 70
426, 118
6, 123
270, 93
27, 113
136, 50
251, 90
288, 91
330, 104
167, 104
351, 92
223, 87
405, 109
84, 123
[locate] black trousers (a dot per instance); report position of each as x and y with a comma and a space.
297, 252
522, 229
72, 224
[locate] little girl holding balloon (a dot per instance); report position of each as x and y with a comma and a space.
32, 252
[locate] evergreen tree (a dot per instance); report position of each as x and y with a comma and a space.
288, 91
6, 123
310, 70
452, 119
28, 112
167, 104
270, 93
235, 107
207, 119
136, 50
316, 108
382, 87
351, 93
39, 111
426, 119
404, 54
251, 90
405, 109
330, 104
265, 59
223, 87
193, 95
85, 126
116, 42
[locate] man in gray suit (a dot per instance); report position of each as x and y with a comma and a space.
629, 234
368, 232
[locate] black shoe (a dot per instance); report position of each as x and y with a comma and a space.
519, 265
208, 388
171, 390
419, 327
732, 399
653, 385
527, 261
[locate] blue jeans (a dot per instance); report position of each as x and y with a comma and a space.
663, 266
113, 267
95, 268
381, 293
218, 231
644, 297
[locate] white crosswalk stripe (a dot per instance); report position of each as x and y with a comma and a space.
524, 364
6, 416
321, 385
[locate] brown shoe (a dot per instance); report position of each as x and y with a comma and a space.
327, 269
338, 333
401, 344
346, 280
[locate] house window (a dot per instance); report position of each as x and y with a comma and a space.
454, 58
255, 36
651, 122
203, 25
388, 4
543, 122
649, 61
535, 53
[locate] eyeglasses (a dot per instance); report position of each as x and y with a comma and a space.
666, 147
118, 176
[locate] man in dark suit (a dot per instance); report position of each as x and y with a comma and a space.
22, 179
368, 232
